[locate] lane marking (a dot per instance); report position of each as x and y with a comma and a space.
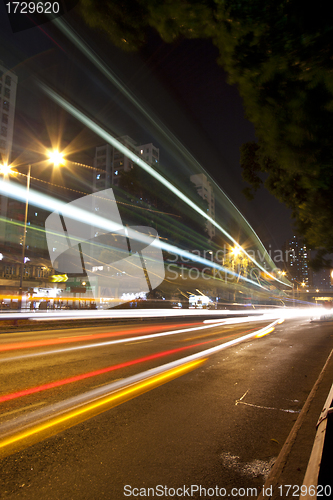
22, 409
139, 342
240, 401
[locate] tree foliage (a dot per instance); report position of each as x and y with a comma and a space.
279, 54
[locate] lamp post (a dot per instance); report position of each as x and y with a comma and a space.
57, 159
24, 238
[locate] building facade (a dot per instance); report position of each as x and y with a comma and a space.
297, 262
205, 190
110, 162
8, 87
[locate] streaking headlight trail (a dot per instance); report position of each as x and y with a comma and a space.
145, 166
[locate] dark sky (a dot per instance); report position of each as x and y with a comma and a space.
181, 83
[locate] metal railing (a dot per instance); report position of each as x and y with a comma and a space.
316, 478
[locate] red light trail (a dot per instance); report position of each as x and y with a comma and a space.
56, 341
76, 378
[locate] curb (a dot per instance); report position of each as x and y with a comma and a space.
281, 461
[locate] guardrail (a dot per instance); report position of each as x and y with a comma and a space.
317, 481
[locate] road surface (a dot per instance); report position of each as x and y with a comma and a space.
78, 422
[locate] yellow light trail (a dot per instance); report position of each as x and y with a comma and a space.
264, 332
22, 439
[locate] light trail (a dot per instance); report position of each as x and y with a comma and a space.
111, 342
102, 371
122, 341
38, 425
136, 313
166, 134
34, 434
145, 166
51, 204
276, 311
82, 338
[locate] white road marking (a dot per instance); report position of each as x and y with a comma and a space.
240, 401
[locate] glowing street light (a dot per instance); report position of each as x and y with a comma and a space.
6, 170
56, 157
235, 251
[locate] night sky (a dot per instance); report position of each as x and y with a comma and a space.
181, 83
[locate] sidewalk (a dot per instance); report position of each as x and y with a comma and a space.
292, 462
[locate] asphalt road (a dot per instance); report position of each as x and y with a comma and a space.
220, 424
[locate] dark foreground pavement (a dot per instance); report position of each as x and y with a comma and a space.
221, 425
287, 474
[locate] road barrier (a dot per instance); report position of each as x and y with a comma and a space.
318, 476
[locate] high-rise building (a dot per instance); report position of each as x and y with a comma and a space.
205, 190
8, 86
149, 153
297, 261
322, 279
111, 162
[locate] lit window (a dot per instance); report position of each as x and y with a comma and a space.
116, 172
98, 176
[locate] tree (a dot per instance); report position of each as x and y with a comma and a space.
279, 54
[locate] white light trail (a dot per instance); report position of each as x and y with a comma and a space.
133, 157
167, 135
57, 409
47, 202
111, 342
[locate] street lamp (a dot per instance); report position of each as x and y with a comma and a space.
6, 170
24, 237
56, 158
235, 251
